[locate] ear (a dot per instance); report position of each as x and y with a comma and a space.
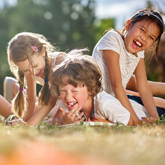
89, 93
127, 25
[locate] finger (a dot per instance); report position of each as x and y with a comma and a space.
89, 119
74, 112
80, 116
62, 109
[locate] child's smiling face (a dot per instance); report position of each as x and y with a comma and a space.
38, 66
75, 97
140, 36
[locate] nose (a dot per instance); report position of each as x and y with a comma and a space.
143, 37
68, 96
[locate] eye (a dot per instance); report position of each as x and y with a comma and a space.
74, 91
142, 29
62, 91
152, 38
35, 65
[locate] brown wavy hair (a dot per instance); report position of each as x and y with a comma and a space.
77, 68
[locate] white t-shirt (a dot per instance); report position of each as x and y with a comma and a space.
127, 61
109, 108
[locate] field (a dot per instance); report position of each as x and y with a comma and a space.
82, 145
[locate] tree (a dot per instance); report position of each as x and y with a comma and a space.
69, 24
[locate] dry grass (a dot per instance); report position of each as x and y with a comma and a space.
115, 145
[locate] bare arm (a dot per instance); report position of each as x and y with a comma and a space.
5, 109
30, 97
42, 112
144, 89
112, 63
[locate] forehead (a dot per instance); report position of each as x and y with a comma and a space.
150, 26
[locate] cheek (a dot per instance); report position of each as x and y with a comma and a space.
82, 99
62, 97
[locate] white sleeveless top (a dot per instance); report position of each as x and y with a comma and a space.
127, 61
40, 81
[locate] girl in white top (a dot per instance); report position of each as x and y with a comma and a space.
31, 58
121, 55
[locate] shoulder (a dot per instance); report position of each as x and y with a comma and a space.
112, 34
112, 40
103, 98
140, 54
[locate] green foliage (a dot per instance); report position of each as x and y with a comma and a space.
66, 24
102, 26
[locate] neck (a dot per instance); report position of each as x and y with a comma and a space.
87, 109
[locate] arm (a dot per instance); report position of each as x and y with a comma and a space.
112, 63
42, 112
30, 97
144, 89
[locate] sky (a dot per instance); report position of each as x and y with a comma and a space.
122, 10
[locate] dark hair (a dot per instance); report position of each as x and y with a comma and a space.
19, 49
149, 15
77, 69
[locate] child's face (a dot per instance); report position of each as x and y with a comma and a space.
75, 97
140, 36
38, 66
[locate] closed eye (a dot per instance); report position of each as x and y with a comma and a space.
142, 29
35, 65
152, 38
74, 91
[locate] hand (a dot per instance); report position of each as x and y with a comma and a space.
71, 116
136, 121
149, 120
15, 122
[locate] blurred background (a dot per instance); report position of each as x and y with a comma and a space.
70, 24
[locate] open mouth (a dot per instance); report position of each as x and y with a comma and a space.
137, 43
71, 105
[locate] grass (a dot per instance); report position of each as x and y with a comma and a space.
113, 145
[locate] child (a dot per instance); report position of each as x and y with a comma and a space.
121, 55
31, 58
77, 82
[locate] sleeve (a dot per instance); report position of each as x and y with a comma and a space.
110, 41
116, 113
110, 108
141, 54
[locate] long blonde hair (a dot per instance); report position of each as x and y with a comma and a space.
19, 49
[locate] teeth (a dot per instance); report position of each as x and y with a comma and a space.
70, 104
138, 43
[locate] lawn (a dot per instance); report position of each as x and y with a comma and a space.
82, 145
